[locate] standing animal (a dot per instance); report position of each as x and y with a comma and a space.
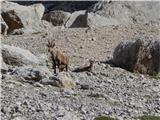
85, 68
59, 59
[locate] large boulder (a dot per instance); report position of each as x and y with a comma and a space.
62, 79
17, 16
124, 13
77, 19
95, 20
139, 56
57, 17
17, 56
32, 73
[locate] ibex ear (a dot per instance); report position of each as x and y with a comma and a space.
52, 44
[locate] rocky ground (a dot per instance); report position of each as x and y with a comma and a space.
107, 91
81, 44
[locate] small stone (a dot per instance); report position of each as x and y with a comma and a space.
37, 84
93, 39
85, 87
19, 118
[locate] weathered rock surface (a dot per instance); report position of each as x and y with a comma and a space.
57, 17
32, 73
17, 32
64, 80
18, 56
98, 14
4, 67
95, 20
77, 19
17, 16
43, 75
124, 13
4, 27
141, 56
97, 6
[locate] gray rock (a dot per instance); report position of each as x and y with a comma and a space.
69, 116
5, 110
124, 13
18, 56
4, 67
17, 32
85, 87
32, 73
17, 16
37, 84
47, 81
4, 27
95, 20
66, 91
62, 79
77, 19
97, 6
44, 59
57, 17
46, 25
19, 118
141, 56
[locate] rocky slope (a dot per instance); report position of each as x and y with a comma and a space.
108, 91
31, 90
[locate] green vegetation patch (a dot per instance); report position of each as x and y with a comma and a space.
149, 117
103, 118
157, 77
42, 34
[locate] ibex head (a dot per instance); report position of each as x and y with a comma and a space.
91, 61
50, 45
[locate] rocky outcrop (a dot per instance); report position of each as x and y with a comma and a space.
32, 73
77, 19
80, 14
57, 17
62, 79
65, 80
17, 16
140, 56
107, 13
124, 13
18, 56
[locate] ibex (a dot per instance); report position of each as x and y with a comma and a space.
59, 59
85, 68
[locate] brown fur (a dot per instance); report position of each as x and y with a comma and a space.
59, 59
